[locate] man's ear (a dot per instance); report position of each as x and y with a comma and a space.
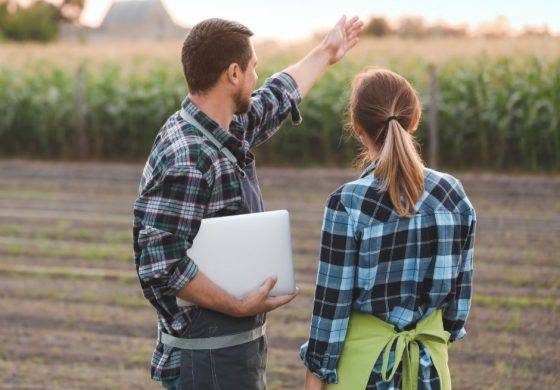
233, 74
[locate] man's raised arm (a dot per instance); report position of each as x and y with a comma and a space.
280, 94
338, 41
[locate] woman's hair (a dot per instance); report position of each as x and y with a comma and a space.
384, 112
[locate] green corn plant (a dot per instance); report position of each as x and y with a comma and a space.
498, 114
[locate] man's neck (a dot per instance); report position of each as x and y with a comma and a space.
215, 106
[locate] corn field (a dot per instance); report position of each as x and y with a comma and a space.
499, 114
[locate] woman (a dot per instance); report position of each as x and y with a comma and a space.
395, 269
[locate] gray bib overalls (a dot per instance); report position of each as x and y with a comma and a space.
240, 366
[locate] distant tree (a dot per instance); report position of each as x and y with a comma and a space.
378, 26
412, 27
535, 31
497, 28
445, 30
3, 16
37, 21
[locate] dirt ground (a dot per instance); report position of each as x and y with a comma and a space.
72, 314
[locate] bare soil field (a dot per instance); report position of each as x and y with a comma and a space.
72, 314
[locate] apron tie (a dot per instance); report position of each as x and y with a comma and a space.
369, 338
407, 351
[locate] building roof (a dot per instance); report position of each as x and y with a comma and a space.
133, 11
130, 20
139, 19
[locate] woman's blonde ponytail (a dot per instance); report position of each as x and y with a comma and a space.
384, 113
400, 169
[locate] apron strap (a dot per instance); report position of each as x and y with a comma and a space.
190, 119
229, 340
369, 337
407, 351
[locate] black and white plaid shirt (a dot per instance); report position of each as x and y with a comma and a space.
186, 179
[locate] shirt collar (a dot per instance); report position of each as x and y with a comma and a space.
226, 137
370, 168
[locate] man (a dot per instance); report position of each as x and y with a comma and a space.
201, 166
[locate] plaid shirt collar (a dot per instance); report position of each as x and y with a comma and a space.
231, 139
370, 168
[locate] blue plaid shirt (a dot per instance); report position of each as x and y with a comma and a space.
185, 180
398, 269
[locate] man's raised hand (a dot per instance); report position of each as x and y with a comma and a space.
342, 37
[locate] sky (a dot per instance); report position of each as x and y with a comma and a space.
296, 19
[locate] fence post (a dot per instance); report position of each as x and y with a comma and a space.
83, 148
433, 128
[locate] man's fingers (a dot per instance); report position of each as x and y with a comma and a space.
268, 284
352, 23
352, 43
355, 28
352, 35
275, 302
342, 21
358, 27
352, 20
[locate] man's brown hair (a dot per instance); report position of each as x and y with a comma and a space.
210, 48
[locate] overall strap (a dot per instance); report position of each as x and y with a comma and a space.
189, 118
212, 342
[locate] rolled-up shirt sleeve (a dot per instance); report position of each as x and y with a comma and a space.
456, 312
278, 97
168, 218
333, 294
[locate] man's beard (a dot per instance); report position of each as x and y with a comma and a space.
242, 104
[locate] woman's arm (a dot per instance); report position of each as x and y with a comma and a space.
456, 312
334, 292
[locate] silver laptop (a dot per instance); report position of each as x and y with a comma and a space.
239, 252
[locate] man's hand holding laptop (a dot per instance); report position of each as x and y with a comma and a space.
260, 301
201, 291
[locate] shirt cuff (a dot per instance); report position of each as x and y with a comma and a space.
314, 365
289, 86
458, 334
185, 271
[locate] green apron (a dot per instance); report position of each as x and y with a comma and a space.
368, 337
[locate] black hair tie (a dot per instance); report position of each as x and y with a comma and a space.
391, 118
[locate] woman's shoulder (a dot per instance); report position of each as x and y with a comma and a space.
362, 198
443, 191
